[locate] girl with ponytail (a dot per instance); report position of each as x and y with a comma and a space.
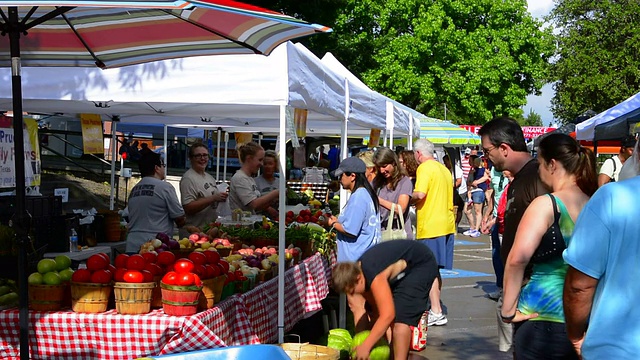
544, 232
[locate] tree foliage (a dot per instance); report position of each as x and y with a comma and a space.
480, 57
597, 62
532, 119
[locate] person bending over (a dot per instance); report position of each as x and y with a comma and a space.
394, 279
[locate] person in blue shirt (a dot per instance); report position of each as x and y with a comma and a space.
358, 225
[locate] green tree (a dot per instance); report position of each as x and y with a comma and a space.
597, 62
532, 119
480, 57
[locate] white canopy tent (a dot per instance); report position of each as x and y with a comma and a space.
613, 123
214, 91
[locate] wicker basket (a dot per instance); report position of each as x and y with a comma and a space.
133, 298
308, 351
180, 300
211, 291
47, 297
90, 297
156, 293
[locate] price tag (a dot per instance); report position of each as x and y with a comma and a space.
64, 192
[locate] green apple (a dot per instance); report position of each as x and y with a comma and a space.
35, 279
52, 278
46, 265
65, 275
62, 262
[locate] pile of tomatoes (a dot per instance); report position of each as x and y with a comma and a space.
200, 265
99, 270
138, 268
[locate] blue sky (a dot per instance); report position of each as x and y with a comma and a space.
541, 104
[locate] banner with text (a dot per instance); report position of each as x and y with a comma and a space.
530, 132
32, 166
92, 132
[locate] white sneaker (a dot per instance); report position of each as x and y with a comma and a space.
468, 232
475, 234
437, 319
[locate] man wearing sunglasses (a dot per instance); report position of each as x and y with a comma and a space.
153, 203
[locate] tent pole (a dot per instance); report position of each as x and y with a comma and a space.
282, 143
166, 151
21, 219
114, 145
390, 123
218, 155
410, 136
226, 155
342, 300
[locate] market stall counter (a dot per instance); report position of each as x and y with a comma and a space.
242, 319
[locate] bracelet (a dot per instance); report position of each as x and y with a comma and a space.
508, 318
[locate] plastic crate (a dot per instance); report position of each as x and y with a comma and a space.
37, 206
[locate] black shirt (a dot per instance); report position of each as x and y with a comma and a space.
379, 257
525, 187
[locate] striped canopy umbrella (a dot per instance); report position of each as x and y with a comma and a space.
444, 132
113, 33
77, 33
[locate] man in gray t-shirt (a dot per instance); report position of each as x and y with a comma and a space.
153, 204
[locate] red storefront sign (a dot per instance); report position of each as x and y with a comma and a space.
530, 132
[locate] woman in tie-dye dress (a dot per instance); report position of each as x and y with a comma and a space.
544, 232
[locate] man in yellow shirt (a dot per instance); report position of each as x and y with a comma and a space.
433, 197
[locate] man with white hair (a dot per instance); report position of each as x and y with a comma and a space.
436, 221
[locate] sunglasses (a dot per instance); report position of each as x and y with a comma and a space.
200, 156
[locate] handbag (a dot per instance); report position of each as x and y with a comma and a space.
394, 234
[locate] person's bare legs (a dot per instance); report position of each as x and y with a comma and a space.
469, 213
434, 296
401, 341
478, 210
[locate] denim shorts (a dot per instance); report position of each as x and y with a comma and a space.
477, 197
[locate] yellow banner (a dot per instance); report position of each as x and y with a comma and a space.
242, 138
92, 140
300, 121
374, 138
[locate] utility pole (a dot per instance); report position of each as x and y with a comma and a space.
445, 111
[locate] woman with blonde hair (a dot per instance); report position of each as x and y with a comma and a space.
543, 233
244, 193
367, 158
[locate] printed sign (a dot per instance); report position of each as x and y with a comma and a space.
530, 132
62, 192
32, 168
92, 133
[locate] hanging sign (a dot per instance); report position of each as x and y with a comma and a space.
300, 121
374, 138
92, 134
32, 165
242, 138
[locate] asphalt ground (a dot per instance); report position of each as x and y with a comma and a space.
471, 332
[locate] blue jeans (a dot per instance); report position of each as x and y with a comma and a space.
498, 266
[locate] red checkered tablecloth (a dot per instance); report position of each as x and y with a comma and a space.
239, 320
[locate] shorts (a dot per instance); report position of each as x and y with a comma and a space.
442, 248
478, 197
411, 293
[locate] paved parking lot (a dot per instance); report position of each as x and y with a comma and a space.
471, 332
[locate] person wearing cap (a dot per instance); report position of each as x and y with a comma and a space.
611, 167
358, 224
367, 158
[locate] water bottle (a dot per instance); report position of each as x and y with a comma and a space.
73, 241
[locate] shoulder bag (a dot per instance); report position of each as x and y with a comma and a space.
394, 234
